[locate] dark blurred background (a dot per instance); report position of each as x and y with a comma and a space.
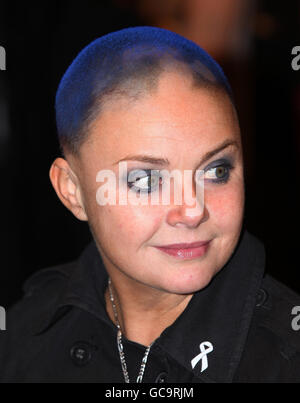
253, 42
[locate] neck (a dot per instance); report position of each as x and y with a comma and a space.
143, 312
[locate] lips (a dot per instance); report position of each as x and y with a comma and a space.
186, 250
185, 245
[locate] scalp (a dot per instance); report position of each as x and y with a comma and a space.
126, 63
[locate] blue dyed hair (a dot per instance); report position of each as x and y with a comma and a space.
125, 63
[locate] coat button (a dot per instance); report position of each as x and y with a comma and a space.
81, 353
161, 378
261, 297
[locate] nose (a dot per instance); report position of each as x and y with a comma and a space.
192, 211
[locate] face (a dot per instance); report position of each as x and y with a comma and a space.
181, 124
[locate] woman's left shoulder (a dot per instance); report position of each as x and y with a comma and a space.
272, 350
279, 311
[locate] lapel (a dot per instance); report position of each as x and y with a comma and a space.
213, 328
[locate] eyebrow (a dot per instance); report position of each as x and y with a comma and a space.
165, 162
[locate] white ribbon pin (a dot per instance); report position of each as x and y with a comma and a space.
206, 347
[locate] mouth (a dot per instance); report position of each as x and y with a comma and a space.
186, 250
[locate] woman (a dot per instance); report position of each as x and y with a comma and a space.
167, 291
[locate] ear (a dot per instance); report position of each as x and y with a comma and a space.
66, 186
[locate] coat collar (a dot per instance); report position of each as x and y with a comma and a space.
220, 314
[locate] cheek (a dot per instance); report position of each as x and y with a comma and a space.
128, 225
226, 206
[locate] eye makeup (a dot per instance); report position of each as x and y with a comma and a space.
149, 180
219, 171
139, 180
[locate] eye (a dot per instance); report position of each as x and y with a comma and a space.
144, 181
219, 173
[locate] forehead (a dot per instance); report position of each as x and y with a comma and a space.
176, 118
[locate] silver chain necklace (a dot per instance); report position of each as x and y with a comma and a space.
139, 379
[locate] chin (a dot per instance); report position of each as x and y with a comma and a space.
189, 283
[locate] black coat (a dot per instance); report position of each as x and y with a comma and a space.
60, 331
